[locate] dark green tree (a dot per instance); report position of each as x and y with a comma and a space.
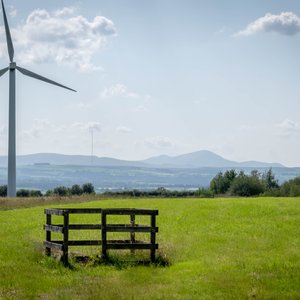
23, 193
88, 188
204, 193
291, 188
230, 175
256, 174
49, 193
221, 183
61, 191
76, 190
3, 190
218, 185
246, 186
269, 180
35, 193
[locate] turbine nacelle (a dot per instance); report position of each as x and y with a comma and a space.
12, 66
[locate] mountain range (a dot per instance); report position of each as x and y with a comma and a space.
198, 159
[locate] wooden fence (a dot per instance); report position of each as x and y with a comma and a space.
103, 226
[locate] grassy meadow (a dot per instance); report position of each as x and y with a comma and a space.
231, 248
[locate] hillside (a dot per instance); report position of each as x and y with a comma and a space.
199, 159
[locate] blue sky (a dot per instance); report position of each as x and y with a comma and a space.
156, 77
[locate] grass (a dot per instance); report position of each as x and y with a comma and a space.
13, 203
217, 249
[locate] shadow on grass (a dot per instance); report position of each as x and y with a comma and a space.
116, 261
119, 261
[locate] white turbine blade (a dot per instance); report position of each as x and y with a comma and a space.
3, 71
10, 46
39, 77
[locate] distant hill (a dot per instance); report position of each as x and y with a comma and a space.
197, 159
76, 160
204, 158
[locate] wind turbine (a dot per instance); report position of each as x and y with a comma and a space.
11, 178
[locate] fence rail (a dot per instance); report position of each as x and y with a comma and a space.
106, 244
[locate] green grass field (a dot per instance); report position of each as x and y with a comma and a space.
216, 249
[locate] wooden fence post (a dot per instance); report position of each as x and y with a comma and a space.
66, 238
153, 235
104, 235
132, 233
48, 235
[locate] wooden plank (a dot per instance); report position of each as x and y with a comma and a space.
84, 210
85, 227
128, 228
54, 228
81, 226
118, 211
129, 211
54, 211
80, 243
125, 242
85, 243
123, 245
53, 245
60, 211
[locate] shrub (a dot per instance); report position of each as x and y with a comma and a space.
49, 193
246, 186
204, 193
291, 188
23, 193
29, 193
269, 180
35, 193
76, 190
221, 183
3, 190
88, 188
61, 191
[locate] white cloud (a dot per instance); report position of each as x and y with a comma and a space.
64, 12
87, 126
61, 37
12, 12
43, 129
223, 30
82, 105
124, 129
39, 128
141, 108
289, 128
118, 91
286, 23
244, 128
159, 142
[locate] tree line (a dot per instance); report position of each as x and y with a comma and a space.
62, 191
160, 192
229, 183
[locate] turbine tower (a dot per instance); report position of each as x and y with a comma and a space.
11, 178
